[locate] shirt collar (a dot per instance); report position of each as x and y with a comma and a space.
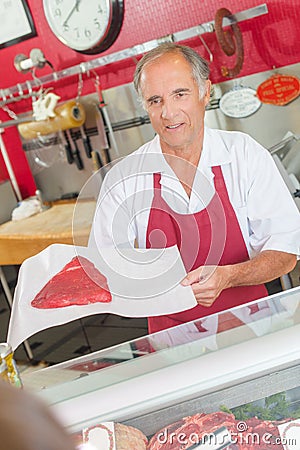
214, 151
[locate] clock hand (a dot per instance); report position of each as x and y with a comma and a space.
75, 8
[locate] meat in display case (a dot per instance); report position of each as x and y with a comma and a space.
231, 377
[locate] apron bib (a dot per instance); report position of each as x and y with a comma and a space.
209, 237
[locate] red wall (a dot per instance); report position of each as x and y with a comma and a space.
272, 40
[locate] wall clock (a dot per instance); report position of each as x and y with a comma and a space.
87, 26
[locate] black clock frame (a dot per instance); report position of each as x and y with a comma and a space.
113, 29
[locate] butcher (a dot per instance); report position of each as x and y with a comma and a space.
215, 194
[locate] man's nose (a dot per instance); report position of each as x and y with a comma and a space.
168, 110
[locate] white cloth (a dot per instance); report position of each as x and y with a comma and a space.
266, 211
26, 208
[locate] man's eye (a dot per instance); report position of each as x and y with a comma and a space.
180, 94
154, 101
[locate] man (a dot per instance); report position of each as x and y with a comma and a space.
215, 194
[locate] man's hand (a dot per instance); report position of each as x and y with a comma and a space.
208, 282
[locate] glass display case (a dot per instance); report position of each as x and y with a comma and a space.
226, 360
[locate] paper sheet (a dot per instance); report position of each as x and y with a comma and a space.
142, 283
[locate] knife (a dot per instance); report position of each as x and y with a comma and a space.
65, 141
97, 161
86, 141
102, 134
105, 117
74, 150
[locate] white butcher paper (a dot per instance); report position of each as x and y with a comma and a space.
152, 275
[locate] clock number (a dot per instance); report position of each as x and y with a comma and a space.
97, 24
57, 12
77, 32
65, 27
58, 2
100, 10
87, 33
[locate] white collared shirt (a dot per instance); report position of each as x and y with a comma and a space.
266, 212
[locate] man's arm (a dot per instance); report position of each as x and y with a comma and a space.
208, 281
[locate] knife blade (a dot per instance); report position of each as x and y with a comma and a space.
102, 134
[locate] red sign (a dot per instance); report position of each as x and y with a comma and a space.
279, 89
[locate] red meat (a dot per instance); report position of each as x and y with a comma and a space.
253, 434
78, 283
260, 434
188, 431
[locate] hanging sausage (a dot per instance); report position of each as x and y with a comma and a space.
230, 43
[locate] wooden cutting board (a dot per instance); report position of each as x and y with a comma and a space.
65, 223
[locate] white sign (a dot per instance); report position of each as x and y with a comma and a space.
240, 102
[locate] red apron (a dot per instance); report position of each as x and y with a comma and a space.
195, 231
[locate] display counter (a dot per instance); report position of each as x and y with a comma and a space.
158, 379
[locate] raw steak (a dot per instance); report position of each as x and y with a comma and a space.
261, 434
188, 431
78, 283
255, 434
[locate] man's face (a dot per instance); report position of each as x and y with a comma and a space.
171, 97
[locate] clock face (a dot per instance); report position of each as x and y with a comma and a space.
87, 26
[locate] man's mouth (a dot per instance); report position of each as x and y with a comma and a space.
172, 127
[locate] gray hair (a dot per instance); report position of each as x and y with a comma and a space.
199, 66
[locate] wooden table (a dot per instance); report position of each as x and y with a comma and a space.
62, 223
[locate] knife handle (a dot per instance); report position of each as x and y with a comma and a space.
87, 146
68, 149
97, 161
77, 157
107, 155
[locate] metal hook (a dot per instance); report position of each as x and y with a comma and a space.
29, 87
211, 56
98, 87
30, 91
20, 90
36, 79
3, 96
4, 106
79, 86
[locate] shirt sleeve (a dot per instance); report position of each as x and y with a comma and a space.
112, 226
273, 217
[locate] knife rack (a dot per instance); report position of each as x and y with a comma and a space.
8, 95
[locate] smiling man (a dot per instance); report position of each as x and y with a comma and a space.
215, 194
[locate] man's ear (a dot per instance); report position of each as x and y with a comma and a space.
207, 92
